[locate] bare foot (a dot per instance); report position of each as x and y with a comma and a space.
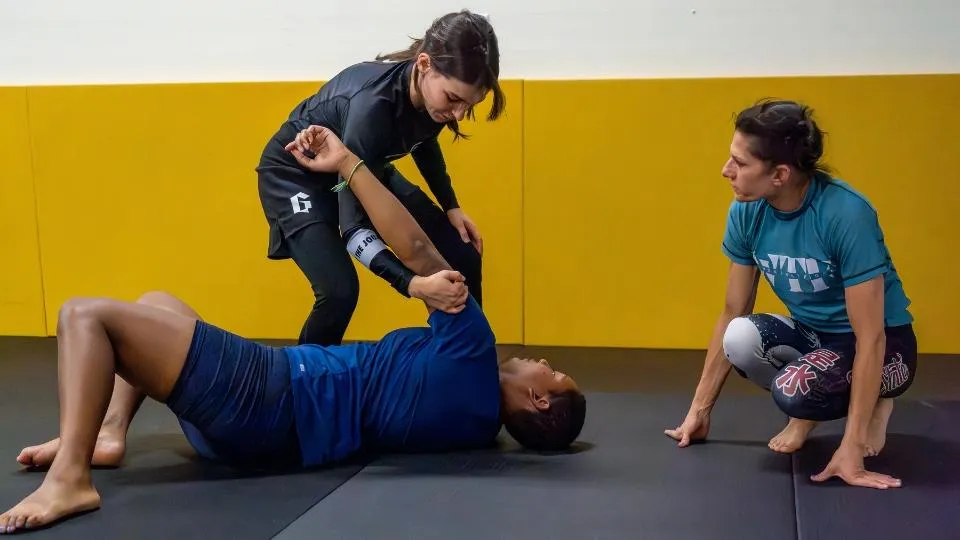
109, 451
53, 500
792, 437
877, 431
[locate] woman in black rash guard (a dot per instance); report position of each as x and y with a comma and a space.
382, 111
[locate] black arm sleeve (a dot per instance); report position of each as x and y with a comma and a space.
366, 246
429, 159
363, 122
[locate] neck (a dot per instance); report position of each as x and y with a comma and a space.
791, 197
415, 97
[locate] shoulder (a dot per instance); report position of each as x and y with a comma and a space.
842, 204
467, 333
369, 82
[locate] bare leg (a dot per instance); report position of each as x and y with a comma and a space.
124, 403
877, 432
98, 339
792, 437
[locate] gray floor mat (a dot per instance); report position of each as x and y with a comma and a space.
162, 491
628, 480
923, 450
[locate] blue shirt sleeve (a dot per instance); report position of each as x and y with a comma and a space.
856, 239
463, 335
735, 244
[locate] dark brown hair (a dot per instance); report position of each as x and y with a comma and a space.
784, 132
552, 430
461, 45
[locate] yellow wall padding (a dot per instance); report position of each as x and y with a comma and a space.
153, 187
601, 202
21, 288
624, 204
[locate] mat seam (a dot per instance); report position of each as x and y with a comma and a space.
794, 471
329, 493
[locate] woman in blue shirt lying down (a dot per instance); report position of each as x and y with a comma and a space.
435, 388
847, 347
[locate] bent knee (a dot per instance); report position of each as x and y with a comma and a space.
80, 309
339, 301
743, 344
470, 260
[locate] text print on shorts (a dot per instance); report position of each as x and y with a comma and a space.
797, 377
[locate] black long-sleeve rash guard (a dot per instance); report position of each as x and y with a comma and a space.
368, 106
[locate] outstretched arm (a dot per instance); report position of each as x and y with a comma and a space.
398, 228
390, 218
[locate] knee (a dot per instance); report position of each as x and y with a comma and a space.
77, 310
743, 345
465, 259
339, 298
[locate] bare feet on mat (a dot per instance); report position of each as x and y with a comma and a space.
109, 451
792, 437
55, 499
877, 431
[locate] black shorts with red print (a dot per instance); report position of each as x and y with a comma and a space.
807, 372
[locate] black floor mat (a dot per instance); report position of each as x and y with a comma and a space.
922, 449
163, 490
628, 480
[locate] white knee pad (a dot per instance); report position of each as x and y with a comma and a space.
743, 347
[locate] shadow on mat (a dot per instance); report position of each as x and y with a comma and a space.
918, 460
148, 462
507, 459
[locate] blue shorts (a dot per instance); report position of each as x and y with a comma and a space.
234, 400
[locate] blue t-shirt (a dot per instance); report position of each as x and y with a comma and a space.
417, 389
811, 254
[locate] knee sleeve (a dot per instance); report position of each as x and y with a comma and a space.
743, 347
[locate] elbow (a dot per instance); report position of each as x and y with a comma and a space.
872, 342
417, 254
423, 258
873, 338
417, 249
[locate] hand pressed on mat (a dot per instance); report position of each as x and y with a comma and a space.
847, 464
694, 428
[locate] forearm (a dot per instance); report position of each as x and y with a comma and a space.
398, 228
865, 387
716, 368
366, 247
429, 160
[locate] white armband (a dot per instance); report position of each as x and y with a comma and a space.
364, 245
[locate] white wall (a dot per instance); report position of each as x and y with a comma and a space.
120, 41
